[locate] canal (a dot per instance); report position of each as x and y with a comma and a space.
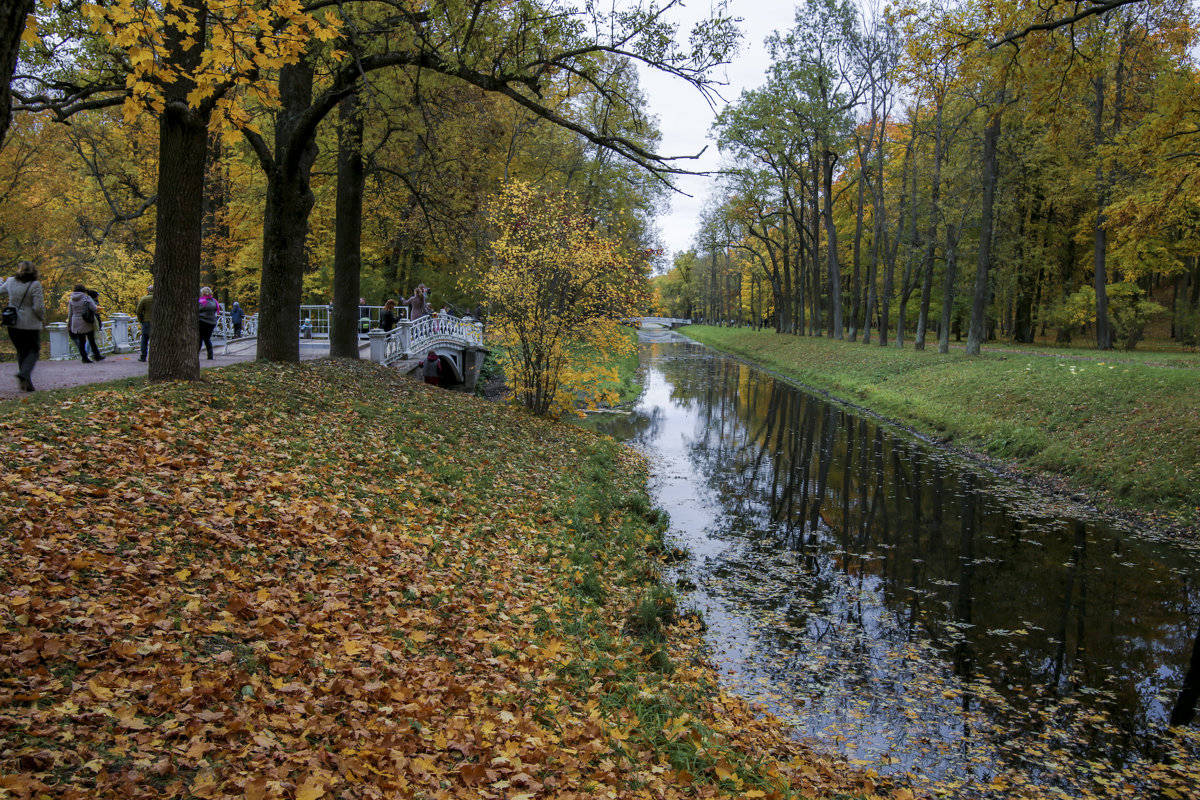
903, 606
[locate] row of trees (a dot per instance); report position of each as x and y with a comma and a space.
926, 169
201, 137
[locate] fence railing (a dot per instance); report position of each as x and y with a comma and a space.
122, 333
316, 320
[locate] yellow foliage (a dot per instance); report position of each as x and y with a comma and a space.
556, 290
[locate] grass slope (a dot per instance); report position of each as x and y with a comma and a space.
323, 580
1127, 425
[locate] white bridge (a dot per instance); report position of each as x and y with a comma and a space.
457, 342
665, 322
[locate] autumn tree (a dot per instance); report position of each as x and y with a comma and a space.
557, 290
816, 63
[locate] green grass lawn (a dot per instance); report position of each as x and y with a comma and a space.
1125, 424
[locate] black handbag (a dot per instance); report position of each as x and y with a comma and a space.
8, 317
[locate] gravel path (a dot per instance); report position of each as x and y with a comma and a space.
49, 375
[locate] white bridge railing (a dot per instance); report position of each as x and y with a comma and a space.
122, 333
421, 335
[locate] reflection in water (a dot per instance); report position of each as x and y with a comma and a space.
909, 610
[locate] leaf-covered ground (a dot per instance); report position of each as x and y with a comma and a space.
323, 580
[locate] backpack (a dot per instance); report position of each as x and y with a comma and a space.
89, 316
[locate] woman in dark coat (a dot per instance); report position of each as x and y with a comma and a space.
387, 317
209, 309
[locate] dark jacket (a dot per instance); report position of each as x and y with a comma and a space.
432, 368
209, 308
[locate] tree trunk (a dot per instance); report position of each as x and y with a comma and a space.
935, 210
872, 276
835, 272
855, 278
977, 330
948, 282
814, 238
12, 25
786, 312
183, 145
213, 231
1099, 234
285, 223
347, 247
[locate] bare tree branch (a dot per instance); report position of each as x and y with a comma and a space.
1091, 8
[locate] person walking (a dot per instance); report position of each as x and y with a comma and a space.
144, 311
82, 314
387, 317
432, 369
235, 316
209, 309
24, 291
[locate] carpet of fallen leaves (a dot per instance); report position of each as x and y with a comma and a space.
322, 580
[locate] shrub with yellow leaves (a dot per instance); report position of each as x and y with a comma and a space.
556, 290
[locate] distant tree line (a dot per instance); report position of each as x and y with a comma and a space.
972, 170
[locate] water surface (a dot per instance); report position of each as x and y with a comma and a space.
903, 606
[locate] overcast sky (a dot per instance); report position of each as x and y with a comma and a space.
684, 117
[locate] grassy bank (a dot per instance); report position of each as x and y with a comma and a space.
1123, 425
323, 580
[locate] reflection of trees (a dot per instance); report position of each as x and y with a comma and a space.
1184, 710
879, 520
1075, 586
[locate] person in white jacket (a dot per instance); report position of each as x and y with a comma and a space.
82, 316
24, 292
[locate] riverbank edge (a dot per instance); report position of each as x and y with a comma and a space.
1083, 499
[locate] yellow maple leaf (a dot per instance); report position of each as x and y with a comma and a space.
311, 789
30, 35
98, 691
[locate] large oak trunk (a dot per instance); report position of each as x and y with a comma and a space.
347, 247
183, 147
285, 222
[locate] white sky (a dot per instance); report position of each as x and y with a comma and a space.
684, 117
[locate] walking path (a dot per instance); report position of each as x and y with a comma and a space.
48, 375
